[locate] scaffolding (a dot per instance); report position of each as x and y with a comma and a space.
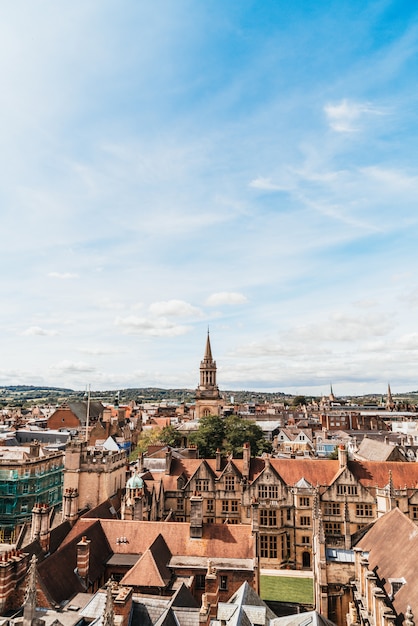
21, 488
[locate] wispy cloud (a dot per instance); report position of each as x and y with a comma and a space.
265, 184
63, 275
159, 327
37, 330
346, 116
226, 297
156, 173
174, 308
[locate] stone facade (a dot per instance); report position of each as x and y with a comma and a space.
94, 474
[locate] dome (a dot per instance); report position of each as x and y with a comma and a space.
134, 482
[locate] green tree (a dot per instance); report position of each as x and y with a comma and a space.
228, 435
209, 436
145, 439
299, 401
239, 431
170, 436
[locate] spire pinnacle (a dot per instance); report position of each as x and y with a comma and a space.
208, 350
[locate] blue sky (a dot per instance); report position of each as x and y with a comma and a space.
247, 166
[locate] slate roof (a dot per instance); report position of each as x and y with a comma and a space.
392, 544
80, 410
181, 609
310, 618
375, 450
244, 608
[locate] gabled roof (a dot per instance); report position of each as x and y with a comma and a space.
392, 544
151, 568
208, 467
60, 587
375, 450
244, 608
80, 410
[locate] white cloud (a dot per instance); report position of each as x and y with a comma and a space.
345, 116
174, 308
226, 297
37, 330
343, 327
160, 327
67, 367
265, 184
62, 276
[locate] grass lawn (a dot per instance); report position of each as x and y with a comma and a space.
286, 589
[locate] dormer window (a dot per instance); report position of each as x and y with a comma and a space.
396, 584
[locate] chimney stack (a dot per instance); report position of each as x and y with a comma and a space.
34, 448
196, 516
342, 456
218, 461
168, 456
246, 458
83, 559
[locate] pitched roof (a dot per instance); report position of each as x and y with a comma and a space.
376, 474
60, 587
375, 450
392, 544
315, 471
244, 608
151, 568
218, 539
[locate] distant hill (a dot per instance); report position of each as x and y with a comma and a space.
27, 395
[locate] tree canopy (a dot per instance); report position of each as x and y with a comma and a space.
228, 435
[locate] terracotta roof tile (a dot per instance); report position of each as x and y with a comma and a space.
222, 539
317, 472
151, 568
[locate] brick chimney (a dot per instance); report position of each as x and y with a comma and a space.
83, 559
342, 456
45, 529
122, 605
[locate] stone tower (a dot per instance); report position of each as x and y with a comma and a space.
208, 398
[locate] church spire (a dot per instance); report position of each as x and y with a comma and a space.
208, 352
208, 372
389, 400
207, 393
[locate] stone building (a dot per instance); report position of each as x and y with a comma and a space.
290, 504
92, 475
